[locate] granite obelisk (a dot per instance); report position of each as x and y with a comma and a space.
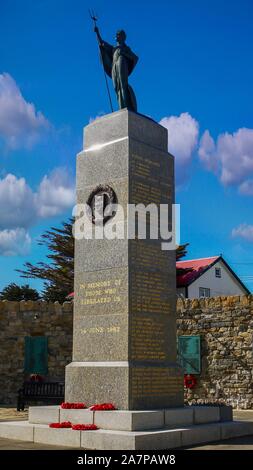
124, 348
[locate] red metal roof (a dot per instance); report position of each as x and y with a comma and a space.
197, 266
71, 296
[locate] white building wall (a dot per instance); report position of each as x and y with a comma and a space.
226, 285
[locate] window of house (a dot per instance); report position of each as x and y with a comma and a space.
204, 292
217, 272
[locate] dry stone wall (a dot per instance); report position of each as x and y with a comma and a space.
225, 325
20, 319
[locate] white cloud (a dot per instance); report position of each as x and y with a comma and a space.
232, 156
14, 242
20, 124
246, 188
207, 152
22, 207
17, 208
56, 193
183, 134
244, 231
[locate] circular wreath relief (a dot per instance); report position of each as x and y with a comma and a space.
100, 202
190, 381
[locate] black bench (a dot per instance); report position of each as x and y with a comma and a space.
40, 391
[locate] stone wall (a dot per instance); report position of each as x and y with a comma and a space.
20, 319
224, 323
226, 328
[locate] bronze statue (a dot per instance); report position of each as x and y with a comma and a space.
119, 62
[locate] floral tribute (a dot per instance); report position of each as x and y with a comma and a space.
73, 406
84, 427
75, 427
36, 378
80, 406
103, 407
64, 424
190, 381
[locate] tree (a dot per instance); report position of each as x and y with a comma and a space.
58, 274
180, 253
15, 292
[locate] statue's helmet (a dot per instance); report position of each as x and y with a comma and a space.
121, 34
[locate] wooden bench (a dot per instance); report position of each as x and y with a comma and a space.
40, 391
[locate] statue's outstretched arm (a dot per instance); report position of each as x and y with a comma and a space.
103, 43
106, 53
100, 40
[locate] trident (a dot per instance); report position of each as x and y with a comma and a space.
94, 18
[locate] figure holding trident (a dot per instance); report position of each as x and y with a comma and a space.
118, 62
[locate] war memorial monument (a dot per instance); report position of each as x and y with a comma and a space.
124, 327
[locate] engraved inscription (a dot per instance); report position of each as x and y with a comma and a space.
154, 382
149, 293
100, 330
148, 339
148, 255
152, 275
149, 183
101, 292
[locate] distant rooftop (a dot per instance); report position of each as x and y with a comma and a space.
197, 266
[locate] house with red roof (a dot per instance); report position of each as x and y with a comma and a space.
208, 277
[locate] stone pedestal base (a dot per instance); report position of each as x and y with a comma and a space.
100, 382
129, 430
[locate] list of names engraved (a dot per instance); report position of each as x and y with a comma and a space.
147, 255
149, 299
148, 339
149, 183
153, 382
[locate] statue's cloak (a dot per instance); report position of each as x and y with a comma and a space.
107, 51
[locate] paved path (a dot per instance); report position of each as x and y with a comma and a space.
11, 444
11, 414
240, 443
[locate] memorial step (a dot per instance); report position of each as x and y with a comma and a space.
124, 420
125, 440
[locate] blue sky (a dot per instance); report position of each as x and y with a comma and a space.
195, 73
